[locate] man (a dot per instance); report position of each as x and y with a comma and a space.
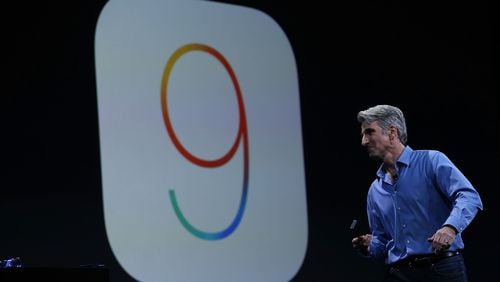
418, 205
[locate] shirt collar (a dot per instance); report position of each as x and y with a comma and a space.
404, 159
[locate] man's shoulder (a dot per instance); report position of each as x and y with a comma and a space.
427, 156
427, 152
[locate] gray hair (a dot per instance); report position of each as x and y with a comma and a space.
386, 116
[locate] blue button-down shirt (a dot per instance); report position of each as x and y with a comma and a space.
430, 191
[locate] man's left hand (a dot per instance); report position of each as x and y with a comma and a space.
442, 239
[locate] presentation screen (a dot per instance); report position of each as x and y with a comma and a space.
201, 142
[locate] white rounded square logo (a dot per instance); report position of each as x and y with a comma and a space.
201, 142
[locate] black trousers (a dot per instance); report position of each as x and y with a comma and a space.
449, 269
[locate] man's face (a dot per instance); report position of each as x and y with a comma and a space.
374, 139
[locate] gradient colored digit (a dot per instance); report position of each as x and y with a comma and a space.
242, 135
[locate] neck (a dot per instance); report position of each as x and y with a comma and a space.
393, 154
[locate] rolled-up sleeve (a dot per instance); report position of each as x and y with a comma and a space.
459, 190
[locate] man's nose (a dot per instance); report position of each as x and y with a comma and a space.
364, 140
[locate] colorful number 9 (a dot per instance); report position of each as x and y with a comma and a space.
242, 135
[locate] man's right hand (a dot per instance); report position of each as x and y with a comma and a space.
362, 243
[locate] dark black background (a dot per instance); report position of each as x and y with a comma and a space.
433, 59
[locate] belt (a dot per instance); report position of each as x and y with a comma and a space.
423, 260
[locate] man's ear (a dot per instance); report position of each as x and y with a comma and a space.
393, 132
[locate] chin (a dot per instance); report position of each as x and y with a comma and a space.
373, 155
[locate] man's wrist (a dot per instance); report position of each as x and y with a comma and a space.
452, 227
